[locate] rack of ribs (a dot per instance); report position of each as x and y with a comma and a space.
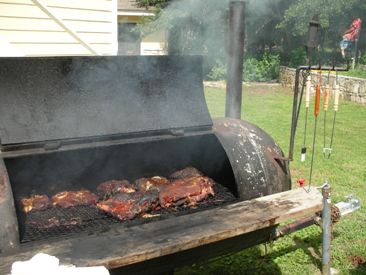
186, 173
126, 206
34, 203
146, 184
111, 187
68, 199
187, 191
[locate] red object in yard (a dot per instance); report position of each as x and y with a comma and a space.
301, 182
352, 33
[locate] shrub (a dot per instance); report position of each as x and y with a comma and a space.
218, 72
265, 69
363, 59
297, 57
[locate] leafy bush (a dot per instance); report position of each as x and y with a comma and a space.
265, 69
297, 57
255, 69
363, 59
218, 72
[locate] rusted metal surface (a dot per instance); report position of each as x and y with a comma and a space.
235, 59
9, 237
295, 226
252, 156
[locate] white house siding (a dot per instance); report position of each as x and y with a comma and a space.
58, 27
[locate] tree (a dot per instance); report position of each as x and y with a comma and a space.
152, 3
335, 17
199, 26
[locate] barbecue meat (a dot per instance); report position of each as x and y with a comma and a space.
111, 187
187, 191
68, 199
34, 203
149, 201
186, 173
126, 206
43, 223
40, 222
146, 184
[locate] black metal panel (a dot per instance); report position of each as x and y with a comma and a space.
255, 158
9, 238
234, 88
74, 97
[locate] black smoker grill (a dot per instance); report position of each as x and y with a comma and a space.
73, 122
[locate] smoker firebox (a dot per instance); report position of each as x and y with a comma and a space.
71, 123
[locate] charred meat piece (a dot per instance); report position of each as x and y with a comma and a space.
121, 206
146, 184
68, 199
111, 187
127, 206
34, 203
46, 223
188, 191
149, 201
43, 223
186, 173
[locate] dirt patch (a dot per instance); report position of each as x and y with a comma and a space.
357, 260
256, 88
215, 84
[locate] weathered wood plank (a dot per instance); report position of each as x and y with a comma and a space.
123, 246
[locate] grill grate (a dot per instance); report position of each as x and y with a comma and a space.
60, 223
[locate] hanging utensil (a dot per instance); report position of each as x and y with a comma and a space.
316, 113
325, 108
307, 104
335, 107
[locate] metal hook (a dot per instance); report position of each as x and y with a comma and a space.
329, 75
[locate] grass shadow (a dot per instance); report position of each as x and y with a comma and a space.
248, 261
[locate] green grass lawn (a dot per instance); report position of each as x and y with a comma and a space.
300, 253
355, 73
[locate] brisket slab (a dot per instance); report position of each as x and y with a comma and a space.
188, 191
186, 173
111, 187
146, 184
68, 199
34, 203
126, 206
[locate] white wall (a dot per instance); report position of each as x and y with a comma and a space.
58, 27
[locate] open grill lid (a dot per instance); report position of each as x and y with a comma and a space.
44, 99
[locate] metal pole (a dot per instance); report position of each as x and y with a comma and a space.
294, 114
326, 228
235, 59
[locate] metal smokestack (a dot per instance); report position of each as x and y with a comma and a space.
235, 59
314, 33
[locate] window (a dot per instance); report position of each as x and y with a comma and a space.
128, 39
